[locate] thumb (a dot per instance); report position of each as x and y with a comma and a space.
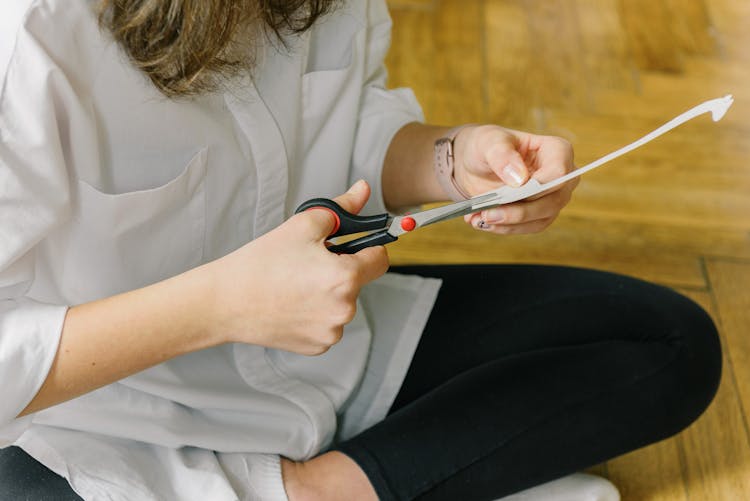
505, 161
322, 221
356, 198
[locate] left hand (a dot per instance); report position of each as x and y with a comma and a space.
488, 156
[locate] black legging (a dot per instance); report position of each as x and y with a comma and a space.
523, 374
528, 373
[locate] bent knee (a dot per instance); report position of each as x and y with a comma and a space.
698, 365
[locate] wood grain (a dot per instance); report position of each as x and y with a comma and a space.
602, 73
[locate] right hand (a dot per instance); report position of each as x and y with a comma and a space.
285, 290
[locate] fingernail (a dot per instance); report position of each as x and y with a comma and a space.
356, 186
494, 216
512, 175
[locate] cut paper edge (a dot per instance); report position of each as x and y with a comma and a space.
506, 194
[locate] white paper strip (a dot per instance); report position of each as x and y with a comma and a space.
717, 108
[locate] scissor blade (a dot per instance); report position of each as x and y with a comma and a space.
437, 214
500, 196
508, 194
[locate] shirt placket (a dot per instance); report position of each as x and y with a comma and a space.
267, 145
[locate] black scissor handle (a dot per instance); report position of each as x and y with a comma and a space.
356, 245
347, 223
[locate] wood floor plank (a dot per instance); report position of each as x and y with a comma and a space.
603, 73
700, 87
413, 50
664, 200
604, 46
570, 241
412, 4
716, 450
691, 26
633, 473
510, 65
458, 63
731, 284
675, 179
648, 27
556, 52
730, 18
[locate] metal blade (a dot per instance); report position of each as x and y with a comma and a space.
438, 214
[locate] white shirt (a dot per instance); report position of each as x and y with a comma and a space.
107, 186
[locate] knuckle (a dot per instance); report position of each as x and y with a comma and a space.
561, 143
345, 313
484, 129
514, 215
304, 223
332, 336
315, 351
564, 146
346, 277
490, 135
564, 143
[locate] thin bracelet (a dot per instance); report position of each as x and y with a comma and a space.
444, 165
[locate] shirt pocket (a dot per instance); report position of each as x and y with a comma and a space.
120, 242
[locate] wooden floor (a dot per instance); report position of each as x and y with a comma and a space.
601, 73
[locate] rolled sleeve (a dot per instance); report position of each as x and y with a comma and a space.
29, 337
38, 110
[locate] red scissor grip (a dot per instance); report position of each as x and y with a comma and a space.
335, 215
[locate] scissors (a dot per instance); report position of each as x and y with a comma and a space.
384, 228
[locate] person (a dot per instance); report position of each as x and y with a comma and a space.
170, 330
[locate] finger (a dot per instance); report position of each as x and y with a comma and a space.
527, 211
555, 159
519, 229
567, 187
371, 262
500, 152
356, 198
317, 223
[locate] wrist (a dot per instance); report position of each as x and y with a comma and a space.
201, 306
447, 150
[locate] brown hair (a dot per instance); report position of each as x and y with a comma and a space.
186, 47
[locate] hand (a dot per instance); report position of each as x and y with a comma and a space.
285, 290
332, 476
489, 156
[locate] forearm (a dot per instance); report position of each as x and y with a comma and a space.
408, 172
107, 340
284, 291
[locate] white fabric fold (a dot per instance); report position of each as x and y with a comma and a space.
106, 186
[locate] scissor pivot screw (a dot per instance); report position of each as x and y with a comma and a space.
408, 224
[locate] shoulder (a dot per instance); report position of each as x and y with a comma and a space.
54, 24
12, 17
